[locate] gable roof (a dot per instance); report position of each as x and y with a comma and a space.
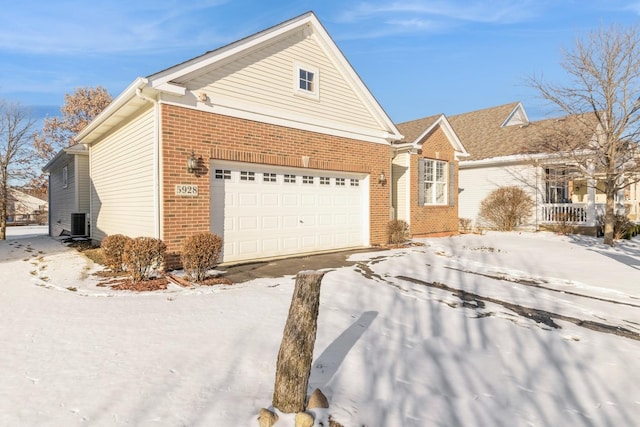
77, 149
505, 130
171, 81
415, 131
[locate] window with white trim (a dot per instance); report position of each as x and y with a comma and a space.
434, 182
306, 179
269, 177
325, 180
306, 81
354, 182
65, 176
289, 179
340, 181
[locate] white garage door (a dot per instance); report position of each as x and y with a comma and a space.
266, 211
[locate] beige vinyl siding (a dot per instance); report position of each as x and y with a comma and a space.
122, 167
400, 181
63, 200
476, 183
265, 79
82, 183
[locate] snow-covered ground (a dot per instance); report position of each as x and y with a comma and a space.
399, 343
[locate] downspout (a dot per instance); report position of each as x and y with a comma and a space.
156, 159
49, 205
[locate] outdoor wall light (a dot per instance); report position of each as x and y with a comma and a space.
192, 163
382, 179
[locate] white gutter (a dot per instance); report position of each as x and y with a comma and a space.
516, 158
115, 105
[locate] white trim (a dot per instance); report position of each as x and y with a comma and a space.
516, 158
65, 176
517, 108
451, 135
314, 28
315, 82
115, 105
445, 183
290, 120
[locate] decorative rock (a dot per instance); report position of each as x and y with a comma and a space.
317, 400
266, 418
304, 419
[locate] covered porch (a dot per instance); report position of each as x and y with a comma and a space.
575, 201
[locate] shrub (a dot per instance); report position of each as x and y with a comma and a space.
464, 225
623, 228
199, 254
142, 256
397, 231
506, 207
112, 250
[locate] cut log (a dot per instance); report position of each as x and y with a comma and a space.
298, 339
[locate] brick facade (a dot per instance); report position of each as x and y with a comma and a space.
434, 221
213, 136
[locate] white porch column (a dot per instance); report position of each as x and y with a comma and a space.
619, 206
591, 195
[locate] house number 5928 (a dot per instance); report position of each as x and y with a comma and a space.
186, 190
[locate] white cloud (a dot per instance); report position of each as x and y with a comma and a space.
67, 27
431, 16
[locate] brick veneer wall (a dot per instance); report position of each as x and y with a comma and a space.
213, 136
433, 220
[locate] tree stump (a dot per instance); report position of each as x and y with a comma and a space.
298, 339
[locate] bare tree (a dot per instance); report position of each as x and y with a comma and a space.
603, 94
16, 154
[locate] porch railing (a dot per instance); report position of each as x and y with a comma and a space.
574, 213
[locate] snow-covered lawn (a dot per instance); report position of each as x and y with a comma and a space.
399, 343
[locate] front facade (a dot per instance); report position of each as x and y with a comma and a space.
425, 177
272, 142
504, 150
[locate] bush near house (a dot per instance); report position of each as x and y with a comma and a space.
142, 256
506, 208
113, 249
397, 231
623, 227
199, 254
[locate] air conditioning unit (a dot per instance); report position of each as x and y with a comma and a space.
78, 224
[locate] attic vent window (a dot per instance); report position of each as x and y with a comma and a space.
306, 81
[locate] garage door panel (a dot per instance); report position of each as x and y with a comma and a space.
290, 200
289, 222
270, 199
248, 223
248, 247
270, 223
274, 215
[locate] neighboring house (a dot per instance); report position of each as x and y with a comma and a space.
425, 176
272, 142
24, 208
69, 192
504, 149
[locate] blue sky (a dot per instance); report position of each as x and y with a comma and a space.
418, 58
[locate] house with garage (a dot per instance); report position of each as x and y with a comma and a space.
273, 142
425, 176
507, 149
69, 192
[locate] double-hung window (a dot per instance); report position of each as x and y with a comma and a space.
434, 182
